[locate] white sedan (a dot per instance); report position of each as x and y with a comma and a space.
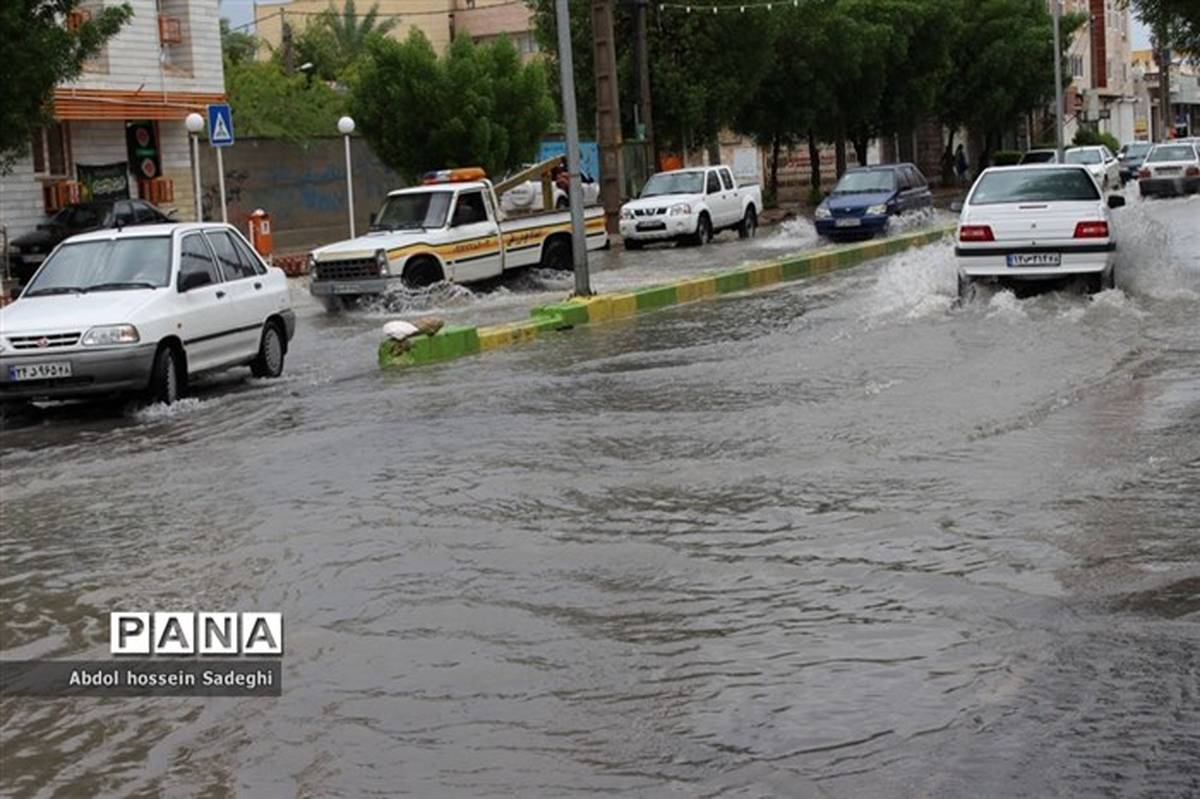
1037, 222
527, 197
1104, 166
141, 310
1171, 168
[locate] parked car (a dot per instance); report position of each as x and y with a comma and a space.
527, 196
1037, 222
448, 229
143, 310
1039, 157
1100, 161
690, 205
1131, 157
866, 199
1170, 169
27, 252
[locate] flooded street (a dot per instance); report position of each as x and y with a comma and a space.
844, 538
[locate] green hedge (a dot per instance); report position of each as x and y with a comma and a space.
1006, 157
1086, 137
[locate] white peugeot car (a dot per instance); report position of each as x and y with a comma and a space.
1104, 166
140, 310
1037, 222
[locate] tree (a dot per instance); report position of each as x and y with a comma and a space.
237, 47
40, 52
1176, 21
266, 102
335, 40
476, 106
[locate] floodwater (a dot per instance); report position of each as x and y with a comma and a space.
844, 538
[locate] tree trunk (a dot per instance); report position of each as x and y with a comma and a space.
860, 149
714, 151
948, 176
814, 160
775, 147
839, 148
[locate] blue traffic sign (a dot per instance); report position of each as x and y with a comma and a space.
220, 125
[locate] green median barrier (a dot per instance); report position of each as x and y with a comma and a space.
655, 297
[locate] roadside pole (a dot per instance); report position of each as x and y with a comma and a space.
195, 124
346, 127
1056, 6
566, 65
221, 185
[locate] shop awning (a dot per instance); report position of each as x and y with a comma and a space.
91, 104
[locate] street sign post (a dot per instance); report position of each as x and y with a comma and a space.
220, 136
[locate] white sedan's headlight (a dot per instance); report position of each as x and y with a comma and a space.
877, 210
680, 209
109, 335
822, 212
626, 213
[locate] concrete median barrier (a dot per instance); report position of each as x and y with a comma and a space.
458, 341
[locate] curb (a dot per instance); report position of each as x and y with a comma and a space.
459, 341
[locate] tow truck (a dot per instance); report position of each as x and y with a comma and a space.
451, 228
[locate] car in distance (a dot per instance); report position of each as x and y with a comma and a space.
1037, 222
691, 206
1170, 169
1039, 157
866, 199
1100, 161
26, 252
527, 196
1131, 157
142, 310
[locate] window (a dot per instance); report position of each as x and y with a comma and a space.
714, 182
248, 255
726, 179
904, 178
145, 214
122, 214
233, 267
128, 263
470, 209
51, 151
195, 258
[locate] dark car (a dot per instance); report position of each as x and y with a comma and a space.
27, 252
1132, 156
865, 199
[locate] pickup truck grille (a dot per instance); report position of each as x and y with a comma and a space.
47, 342
350, 269
649, 211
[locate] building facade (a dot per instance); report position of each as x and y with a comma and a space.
119, 130
1101, 94
440, 20
1184, 99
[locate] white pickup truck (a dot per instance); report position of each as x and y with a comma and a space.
690, 205
449, 229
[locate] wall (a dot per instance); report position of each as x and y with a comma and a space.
432, 17
303, 188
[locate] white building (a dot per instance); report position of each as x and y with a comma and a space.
1102, 92
124, 117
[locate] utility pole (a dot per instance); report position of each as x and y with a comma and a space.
608, 112
641, 58
1163, 51
285, 40
566, 66
1056, 6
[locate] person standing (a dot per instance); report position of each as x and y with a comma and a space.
961, 165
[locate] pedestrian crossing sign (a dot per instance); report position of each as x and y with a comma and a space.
220, 125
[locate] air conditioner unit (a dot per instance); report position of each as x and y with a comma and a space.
170, 31
76, 19
58, 195
157, 190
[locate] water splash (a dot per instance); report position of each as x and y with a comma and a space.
159, 412
793, 234
1154, 258
916, 284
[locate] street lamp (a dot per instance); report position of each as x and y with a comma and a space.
195, 124
346, 127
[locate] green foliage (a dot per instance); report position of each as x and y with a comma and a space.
39, 54
1006, 157
335, 40
1176, 22
1087, 137
268, 103
476, 106
237, 47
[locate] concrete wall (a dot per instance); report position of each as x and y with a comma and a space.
302, 187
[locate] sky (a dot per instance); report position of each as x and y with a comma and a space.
241, 12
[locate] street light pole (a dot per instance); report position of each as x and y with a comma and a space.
195, 123
221, 184
346, 127
583, 284
1056, 6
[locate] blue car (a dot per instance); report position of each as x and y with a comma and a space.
866, 198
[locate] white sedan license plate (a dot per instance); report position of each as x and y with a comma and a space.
849, 221
40, 371
1035, 259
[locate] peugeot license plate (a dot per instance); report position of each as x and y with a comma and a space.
1035, 259
40, 371
848, 221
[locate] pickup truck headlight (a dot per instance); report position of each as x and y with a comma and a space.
626, 213
312, 264
381, 258
822, 212
680, 209
109, 335
877, 210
